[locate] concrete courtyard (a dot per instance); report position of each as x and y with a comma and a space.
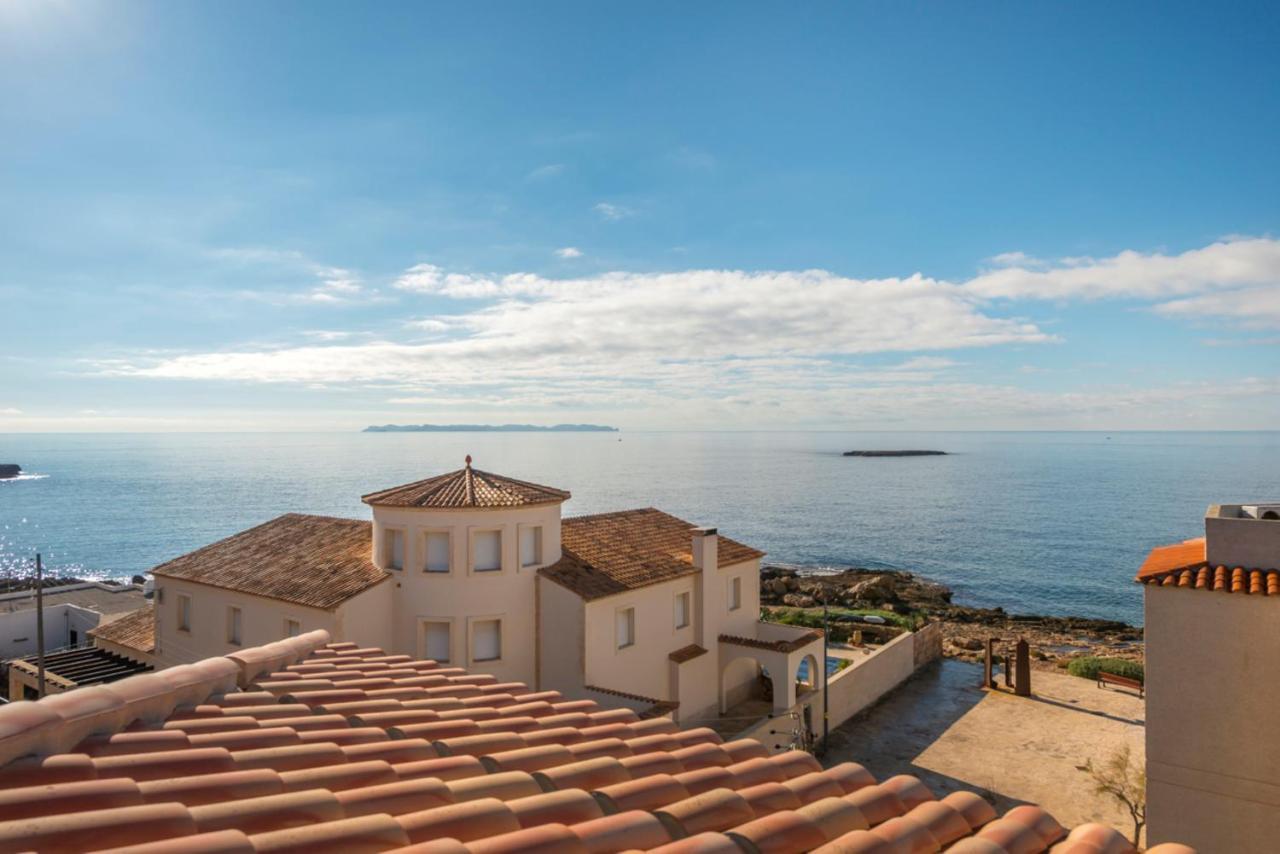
941, 727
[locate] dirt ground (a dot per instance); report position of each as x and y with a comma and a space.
941, 727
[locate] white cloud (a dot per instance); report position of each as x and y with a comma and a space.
569, 252
1015, 259
327, 334
9, 410
613, 212
1252, 308
335, 284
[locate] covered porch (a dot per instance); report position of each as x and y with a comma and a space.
761, 675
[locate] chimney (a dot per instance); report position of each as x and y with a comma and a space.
706, 558
705, 548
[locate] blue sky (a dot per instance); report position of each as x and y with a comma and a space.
855, 215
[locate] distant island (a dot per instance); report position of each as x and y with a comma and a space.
895, 453
490, 428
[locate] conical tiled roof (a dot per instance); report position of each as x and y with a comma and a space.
467, 487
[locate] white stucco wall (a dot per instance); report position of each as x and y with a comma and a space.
1213, 690
561, 640
641, 668
262, 622
18, 628
461, 597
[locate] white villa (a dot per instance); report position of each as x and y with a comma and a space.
481, 571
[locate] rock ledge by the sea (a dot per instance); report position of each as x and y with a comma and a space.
9, 470
895, 453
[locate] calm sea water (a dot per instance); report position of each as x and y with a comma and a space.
1035, 522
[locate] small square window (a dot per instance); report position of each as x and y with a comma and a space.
292, 628
486, 640
184, 613
394, 557
682, 609
437, 559
530, 545
626, 627
436, 641
487, 551
234, 619
735, 594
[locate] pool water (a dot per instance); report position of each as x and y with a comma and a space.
802, 673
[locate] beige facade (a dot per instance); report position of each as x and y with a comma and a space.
464, 600
1213, 691
194, 621
1213, 686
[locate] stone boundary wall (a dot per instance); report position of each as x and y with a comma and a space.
928, 644
857, 686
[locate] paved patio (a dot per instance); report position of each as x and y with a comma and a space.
945, 730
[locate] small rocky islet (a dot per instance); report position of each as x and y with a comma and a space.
1054, 640
895, 453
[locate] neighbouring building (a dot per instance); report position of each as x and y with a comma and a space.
70, 611
478, 570
1213, 683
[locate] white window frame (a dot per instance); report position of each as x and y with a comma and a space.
292, 621
389, 548
687, 595
735, 593
538, 544
629, 613
424, 541
235, 628
184, 619
423, 652
472, 624
502, 547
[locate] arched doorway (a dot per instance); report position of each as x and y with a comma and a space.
808, 676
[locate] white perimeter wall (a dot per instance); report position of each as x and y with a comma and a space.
18, 628
1213, 698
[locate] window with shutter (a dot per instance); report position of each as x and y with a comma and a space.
486, 639
234, 626
437, 551
626, 627
395, 550
487, 551
437, 641
682, 610
530, 545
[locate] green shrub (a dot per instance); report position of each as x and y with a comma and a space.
1089, 666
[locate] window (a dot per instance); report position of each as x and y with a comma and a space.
394, 557
437, 551
626, 627
436, 641
292, 628
682, 610
487, 551
184, 613
530, 545
486, 640
233, 626
735, 594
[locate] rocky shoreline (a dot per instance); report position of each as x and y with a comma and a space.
1054, 640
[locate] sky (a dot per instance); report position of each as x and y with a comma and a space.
319, 216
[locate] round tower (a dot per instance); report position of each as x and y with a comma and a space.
463, 549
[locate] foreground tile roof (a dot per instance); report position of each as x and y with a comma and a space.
1184, 565
611, 553
135, 630
466, 487
300, 746
318, 561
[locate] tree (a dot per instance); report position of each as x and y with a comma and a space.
1126, 782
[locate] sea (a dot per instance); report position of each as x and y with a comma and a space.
1034, 522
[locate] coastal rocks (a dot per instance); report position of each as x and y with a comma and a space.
877, 589
969, 644
798, 600
9, 470
895, 453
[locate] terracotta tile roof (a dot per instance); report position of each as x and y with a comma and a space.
1184, 565
135, 630
686, 653
467, 487
318, 561
777, 645
264, 751
611, 553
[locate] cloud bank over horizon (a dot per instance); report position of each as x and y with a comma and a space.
759, 348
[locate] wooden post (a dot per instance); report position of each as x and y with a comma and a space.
1023, 688
39, 627
987, 681
1008, 671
